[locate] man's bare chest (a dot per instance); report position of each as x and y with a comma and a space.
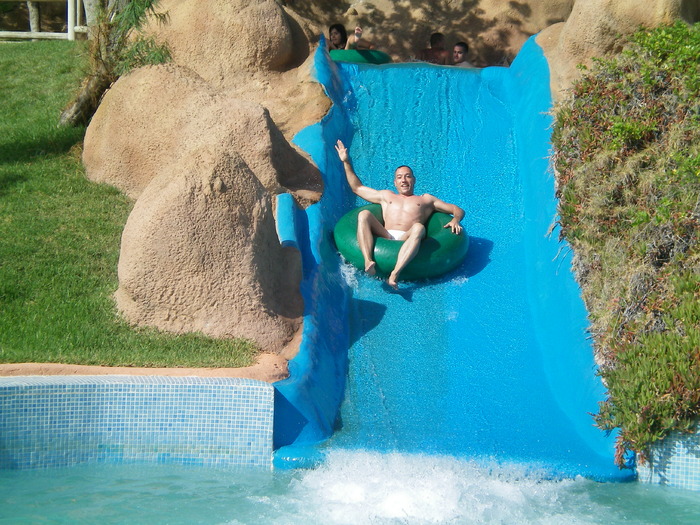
413, 208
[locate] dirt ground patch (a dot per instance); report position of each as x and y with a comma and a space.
269, 368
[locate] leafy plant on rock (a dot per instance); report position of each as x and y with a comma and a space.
627, 158
117, 45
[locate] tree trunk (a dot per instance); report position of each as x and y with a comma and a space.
114, 6
83, 107
92, 11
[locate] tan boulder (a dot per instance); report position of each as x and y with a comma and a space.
152, 120
200, 253
496, 30
203, 159
218, 37
597, 28
251, 49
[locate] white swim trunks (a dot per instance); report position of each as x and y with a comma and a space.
396, 234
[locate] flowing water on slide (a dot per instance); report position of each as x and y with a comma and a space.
477, 364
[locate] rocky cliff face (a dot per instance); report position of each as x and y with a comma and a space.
202, 144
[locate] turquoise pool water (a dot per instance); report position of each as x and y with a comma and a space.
357, 487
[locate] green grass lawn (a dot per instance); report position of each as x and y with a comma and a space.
60, 233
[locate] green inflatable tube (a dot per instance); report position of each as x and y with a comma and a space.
361, 56
440, 252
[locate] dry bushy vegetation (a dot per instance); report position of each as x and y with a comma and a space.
627, 157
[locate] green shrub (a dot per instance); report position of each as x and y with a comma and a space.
627, 157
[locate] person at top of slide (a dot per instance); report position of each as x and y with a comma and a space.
404, 214
436, 53
338, 38
459, 55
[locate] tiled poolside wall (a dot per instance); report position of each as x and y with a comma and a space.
63, 420
675, 462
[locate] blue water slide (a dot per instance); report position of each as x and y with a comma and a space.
491, 362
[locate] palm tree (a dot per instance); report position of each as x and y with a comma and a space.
117, 45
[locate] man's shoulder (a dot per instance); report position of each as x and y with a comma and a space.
385, 195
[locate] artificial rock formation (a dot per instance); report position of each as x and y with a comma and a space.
231, 35
204, 160
200, 250
152, 120
200, 254
597, 28
251, 49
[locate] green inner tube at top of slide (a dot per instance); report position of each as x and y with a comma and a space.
361, 56
440, 252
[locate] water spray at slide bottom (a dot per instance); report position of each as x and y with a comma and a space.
491, 362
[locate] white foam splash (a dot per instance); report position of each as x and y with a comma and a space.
349, 274
357, 487
460, 280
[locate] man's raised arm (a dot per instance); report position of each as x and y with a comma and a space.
367, 193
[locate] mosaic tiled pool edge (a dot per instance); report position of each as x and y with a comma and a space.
53, 421
675, 462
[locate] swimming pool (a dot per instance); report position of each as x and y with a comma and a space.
352, 487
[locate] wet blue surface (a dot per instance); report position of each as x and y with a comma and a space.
492, 361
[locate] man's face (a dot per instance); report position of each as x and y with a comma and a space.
404, 180
458, 54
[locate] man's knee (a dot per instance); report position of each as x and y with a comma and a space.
364, 216
367, 221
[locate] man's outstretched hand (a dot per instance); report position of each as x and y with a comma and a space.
342, 151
